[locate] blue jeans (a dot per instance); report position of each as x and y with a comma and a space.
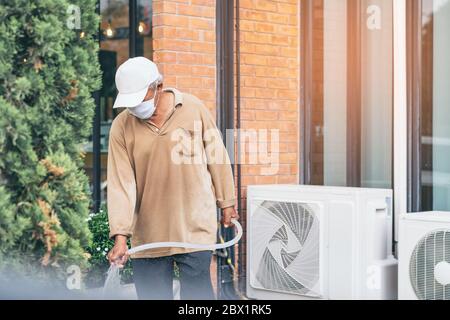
153, 277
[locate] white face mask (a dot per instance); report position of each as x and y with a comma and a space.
145, 109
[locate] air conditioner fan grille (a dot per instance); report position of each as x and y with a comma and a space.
432, 249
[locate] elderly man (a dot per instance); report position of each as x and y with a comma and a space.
165, 182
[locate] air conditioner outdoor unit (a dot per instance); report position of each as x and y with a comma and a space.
424, 256
313, 242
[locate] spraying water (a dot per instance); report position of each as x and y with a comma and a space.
112, 283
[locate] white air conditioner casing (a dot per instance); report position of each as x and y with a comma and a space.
314, 242
424, 256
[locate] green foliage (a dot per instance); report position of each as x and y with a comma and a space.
98, 250
47, 74
101, 245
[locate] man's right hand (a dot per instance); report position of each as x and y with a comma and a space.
119, 253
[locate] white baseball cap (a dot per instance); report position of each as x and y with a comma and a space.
133, 77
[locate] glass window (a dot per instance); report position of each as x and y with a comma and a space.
115, 35
435, 105
144, 32
351, 93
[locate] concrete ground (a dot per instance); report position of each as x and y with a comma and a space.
126, 292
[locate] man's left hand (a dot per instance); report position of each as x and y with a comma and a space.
228, 214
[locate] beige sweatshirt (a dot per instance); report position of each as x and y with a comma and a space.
164, 184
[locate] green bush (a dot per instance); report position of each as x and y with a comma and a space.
101, 245
48, 72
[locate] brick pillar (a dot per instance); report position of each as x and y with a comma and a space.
270, 80
270, 91
185, 51
184, 40
185, 46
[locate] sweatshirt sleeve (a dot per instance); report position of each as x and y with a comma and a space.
218, 161
121, 184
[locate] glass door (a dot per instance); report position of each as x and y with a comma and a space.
347, 92
125, 31
429, 104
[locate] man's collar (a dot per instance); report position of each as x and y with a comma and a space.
177, 94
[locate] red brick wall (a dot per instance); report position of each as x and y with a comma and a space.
269, 80
185, 46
